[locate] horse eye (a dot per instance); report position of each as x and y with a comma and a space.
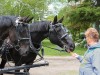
19, 23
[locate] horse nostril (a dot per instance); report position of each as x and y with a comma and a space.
72, 47
26, 52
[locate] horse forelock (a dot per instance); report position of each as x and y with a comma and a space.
40, 26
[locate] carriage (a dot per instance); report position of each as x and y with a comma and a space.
22, 41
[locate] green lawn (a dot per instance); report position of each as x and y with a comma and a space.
52, 52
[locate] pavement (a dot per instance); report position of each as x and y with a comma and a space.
58, 65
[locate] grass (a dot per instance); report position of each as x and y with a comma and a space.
52, 52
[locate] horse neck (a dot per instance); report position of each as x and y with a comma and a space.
39, 31
5, 24
41, 26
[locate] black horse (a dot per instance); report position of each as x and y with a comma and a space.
14, 37
56, 33
16, 44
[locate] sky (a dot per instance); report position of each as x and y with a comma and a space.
54, 8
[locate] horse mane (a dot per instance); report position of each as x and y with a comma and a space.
7, 20
40, 26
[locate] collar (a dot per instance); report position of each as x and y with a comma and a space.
93, 47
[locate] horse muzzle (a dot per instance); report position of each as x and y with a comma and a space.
69, 48
24, 51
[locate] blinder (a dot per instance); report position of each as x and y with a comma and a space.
53, 29
19, 28
20, 25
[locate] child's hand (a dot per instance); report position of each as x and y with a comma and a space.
74, 54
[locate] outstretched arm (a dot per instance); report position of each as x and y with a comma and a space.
76, 56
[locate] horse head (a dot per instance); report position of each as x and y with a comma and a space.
58, 35
19, 36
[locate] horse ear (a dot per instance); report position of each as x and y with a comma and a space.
25, 18
55, 20
60, 21
29, 19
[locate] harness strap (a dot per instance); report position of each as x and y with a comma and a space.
32, 46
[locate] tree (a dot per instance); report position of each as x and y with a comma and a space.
34, 8
97, 22
79, 17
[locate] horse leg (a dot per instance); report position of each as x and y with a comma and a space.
27, 70
17, 71
2, 65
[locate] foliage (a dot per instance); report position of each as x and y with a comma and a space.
85, 15
50, 18
86, 12
79, 17
73, 0
34, 8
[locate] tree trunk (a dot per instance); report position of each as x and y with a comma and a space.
97, 26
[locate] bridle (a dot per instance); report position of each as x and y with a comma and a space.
19, 39
52, 30
17, 45
32, 48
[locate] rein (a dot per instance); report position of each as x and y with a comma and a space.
54, 48
32, 46
33, 49
6, 46
48, 47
